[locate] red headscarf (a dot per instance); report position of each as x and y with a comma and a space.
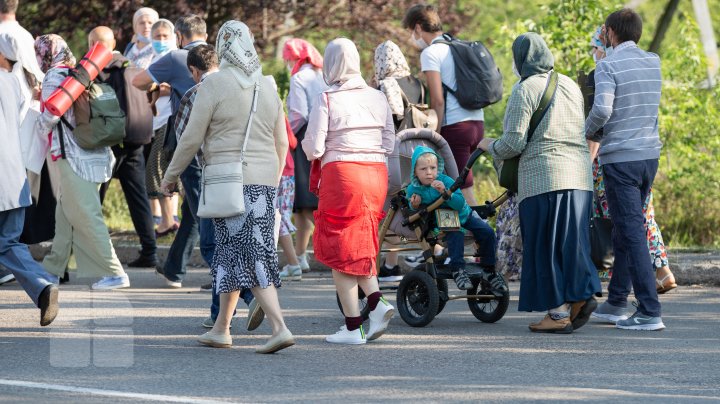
302, 52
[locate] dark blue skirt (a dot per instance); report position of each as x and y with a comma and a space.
556, 267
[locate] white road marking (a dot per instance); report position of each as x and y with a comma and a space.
106, 393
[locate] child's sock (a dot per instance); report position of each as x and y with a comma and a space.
353, 323
373, 300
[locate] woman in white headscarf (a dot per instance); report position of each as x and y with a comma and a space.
350, 133
245, 253
140, 51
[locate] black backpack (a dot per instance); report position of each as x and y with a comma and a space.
479, 81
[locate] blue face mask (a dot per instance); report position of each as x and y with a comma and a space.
142, 38
160, 46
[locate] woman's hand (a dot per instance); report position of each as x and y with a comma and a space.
486, 143
168, 188
415, 201
438, 186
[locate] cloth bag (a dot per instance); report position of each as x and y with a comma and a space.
221, 192
418, 115
509, 169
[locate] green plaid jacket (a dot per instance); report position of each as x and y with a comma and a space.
557, 156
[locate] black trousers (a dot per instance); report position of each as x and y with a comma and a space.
130, 170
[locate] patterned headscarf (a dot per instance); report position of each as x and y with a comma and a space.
390, 64
342, 61
52, 51
301, 52
237, 53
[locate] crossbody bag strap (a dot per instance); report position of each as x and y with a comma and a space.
253, 109
545, 101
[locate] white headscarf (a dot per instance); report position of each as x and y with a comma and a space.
236, 52
390, 64
341, 62
154, 16
25, 60
23, 54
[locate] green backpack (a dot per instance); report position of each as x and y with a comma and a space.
99, 121
106, 124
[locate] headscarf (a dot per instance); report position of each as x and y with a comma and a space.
302, 52
237, 53
52, 51
23, 54
342, 61
172, 41
390, 64
532, 55
140, 13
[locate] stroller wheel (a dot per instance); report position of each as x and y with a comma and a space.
443, 293
364, 308
417, 298
487, 310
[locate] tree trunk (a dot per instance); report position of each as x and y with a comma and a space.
663, 25
707, 36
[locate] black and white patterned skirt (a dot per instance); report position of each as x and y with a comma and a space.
245, 251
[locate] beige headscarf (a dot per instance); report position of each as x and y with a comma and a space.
237, 53
154, 16
342, 61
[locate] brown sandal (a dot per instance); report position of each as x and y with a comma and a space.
665, 285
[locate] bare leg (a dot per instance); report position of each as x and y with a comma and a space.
270, 304
304, 224
166, 206
155, 207
469, 194
391, 259
286, 243
228, 301
347, 289
369, 285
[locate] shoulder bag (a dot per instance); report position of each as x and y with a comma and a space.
508, 172
221, 192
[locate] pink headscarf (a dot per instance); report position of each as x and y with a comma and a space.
302, 52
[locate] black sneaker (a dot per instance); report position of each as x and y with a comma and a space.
497, 283
144, 261
389, 274
461, 279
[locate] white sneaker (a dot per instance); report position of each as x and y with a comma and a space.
173, 284
291, 273
302, 260
112, 282
356, 337
379, 319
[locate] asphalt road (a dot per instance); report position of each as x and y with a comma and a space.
138, 345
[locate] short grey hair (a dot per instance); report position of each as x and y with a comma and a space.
191, 26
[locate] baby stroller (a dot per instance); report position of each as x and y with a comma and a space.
423, 292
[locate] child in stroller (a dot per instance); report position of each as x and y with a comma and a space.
427, 184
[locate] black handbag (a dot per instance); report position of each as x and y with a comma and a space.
508, 175
601, 246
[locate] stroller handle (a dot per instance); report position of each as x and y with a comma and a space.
448, 193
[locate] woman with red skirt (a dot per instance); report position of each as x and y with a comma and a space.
350, 133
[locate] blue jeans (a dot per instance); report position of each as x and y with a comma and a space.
627, 186
16, 257
484, 236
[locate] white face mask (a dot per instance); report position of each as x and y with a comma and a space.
419, 42
290, 66
515, 71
